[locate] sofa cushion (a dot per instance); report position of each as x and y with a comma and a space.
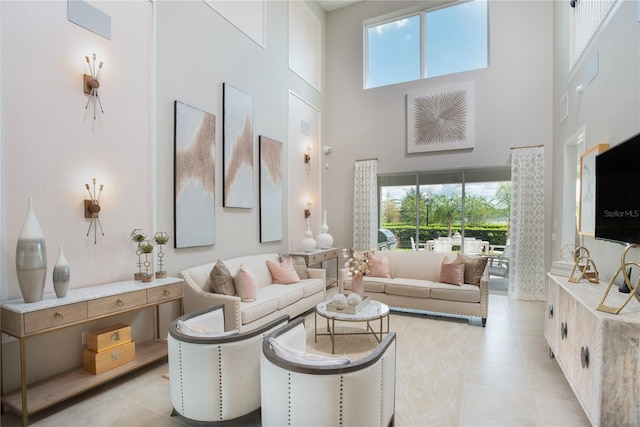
197, 330
284, 294
422, 265
312, 286
409, 287
299, 265
246, 284
256, 263
380, 266
464, 293
370, 284
452, 271
283, 272
473, 269
263, 305
222, 280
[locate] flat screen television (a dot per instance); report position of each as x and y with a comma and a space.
617, 204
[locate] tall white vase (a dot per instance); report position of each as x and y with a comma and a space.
61, 275
325, 240
31, 258
308, 243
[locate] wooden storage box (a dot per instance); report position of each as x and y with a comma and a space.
99, 362
108, 337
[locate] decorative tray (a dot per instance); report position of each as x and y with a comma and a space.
348, 309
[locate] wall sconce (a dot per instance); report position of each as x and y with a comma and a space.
307, 155
92, 210
91, 84
307, 212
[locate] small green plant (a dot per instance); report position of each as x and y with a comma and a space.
137, 238
161, 240
145, 248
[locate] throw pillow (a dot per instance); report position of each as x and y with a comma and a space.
298, 265
298, 356
452, 271
473, 269
379, 267
246, 284
283, 272
221, 280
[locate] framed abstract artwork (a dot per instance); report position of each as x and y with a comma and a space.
587, 205
237, 141
194, 177
440, 119
271, 190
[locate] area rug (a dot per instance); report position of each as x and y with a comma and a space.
429, 366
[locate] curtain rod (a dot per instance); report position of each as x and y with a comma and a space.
365, 160
527, 146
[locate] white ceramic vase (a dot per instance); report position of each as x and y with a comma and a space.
308, 243
61, 275
325, 240
31, 258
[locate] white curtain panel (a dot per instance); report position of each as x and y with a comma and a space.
526, 261
365, 205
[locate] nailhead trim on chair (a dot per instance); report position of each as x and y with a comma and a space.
220, 380
181, 377
289, 396
341, 396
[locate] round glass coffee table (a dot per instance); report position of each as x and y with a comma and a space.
373, 311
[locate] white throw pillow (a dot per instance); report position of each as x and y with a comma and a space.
297, 356
196, 330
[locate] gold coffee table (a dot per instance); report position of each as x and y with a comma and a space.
373, 311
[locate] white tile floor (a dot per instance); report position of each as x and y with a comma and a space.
506, 378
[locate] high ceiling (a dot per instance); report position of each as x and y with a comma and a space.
329, 5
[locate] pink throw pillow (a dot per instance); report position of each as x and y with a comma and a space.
452, 271
380, 266
283, 273
246, 284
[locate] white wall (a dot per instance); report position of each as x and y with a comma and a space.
52, 146
513, 99
609, 108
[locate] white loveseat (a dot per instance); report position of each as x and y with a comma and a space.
305, 391
414, 284
273, 300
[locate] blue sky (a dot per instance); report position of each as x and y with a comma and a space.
456, 41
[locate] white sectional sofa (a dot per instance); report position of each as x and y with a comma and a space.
413, 283
273, 300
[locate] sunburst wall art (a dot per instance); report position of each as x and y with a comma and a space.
194, 174
440, 119
271, 199
237, 134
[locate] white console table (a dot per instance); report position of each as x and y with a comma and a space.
24, 320
598, 352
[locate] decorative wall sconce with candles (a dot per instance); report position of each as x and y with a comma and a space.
92, 210
307, 212
91, 84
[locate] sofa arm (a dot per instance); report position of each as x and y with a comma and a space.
317, 273
196, 299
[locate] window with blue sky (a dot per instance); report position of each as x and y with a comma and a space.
455, 40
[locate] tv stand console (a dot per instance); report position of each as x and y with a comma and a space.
598, 352
24, 320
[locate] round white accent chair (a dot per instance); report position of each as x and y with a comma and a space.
214, 375
305, 389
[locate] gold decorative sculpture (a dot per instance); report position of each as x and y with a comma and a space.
582, 265
625, 273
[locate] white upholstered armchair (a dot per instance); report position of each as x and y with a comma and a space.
303, 389
215, 375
